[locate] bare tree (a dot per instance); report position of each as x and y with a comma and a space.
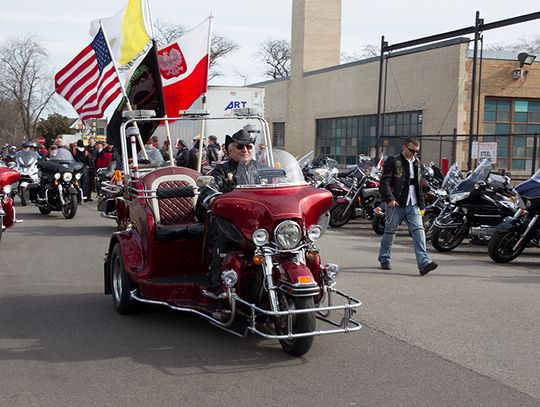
530, 46
367, 51
11, 129
219, 45
24, 81
277, 55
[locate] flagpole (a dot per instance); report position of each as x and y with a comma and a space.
124, 93
167, 128
203, 123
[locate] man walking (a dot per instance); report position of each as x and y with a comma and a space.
400, 189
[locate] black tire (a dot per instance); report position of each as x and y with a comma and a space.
1, 226
44, 210
121, 284
23, 192
428, 220
339, 216
447, 239
378, 223
70, 208
501, 245
301, 323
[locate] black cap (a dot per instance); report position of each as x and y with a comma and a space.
80, 143
241, 137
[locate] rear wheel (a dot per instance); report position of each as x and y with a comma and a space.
1, 226
69, 209
300, 323
121, 284
340, 215
447, 239
501, 246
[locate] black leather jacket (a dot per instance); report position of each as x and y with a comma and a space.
395, 181
225, 175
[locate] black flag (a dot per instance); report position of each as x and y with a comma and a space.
145, 93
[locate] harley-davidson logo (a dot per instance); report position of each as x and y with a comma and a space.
171, 61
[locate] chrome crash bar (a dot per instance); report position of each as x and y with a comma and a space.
346, 324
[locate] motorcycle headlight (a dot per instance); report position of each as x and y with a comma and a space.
260, 237
288, 234
68, 176
57, 175
78, 176
7, 189
459, 196
314, 233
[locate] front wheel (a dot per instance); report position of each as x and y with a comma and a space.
24, 196
1, 226
69, 209
44, 210
502, 248
428, 220
300, 323
447, 239
340, 215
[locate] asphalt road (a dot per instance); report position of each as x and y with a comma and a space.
468, 334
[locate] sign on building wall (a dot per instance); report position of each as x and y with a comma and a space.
488, 150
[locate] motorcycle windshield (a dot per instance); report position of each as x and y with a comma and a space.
452, 178
257, 174
26, 158
481, 173
306, 159
62, 154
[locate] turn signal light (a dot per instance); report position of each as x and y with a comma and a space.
305, 280
312, 256
258, 259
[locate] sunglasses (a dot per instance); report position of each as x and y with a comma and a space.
412, 150
247, 146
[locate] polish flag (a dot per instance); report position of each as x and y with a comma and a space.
183, 65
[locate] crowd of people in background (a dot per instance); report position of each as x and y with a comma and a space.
95, 155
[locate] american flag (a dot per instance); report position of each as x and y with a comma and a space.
90, 82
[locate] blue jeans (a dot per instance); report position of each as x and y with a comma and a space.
394, 218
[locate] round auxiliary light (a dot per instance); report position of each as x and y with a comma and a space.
260, 237
314, 233
57, 175
78, 176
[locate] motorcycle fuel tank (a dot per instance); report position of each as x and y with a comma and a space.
8, 176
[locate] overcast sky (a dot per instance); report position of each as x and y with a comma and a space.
62, 25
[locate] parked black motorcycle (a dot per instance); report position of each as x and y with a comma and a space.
522, 230
475, 207
58, 189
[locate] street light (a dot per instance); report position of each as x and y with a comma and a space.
524, 58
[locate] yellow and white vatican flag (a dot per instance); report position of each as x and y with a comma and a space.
128, 31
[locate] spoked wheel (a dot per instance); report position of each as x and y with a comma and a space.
121, 284
339, 215
501, 246
378, 223
69, 209
44, 210
428, 220
447, 239
300, 323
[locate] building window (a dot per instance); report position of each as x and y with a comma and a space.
344, 138
512, 123
278, 139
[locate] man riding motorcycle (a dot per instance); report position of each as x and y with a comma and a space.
239, 169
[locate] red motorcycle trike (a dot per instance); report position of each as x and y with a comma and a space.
8, 176
275, 283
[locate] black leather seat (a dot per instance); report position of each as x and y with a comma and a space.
174, 232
